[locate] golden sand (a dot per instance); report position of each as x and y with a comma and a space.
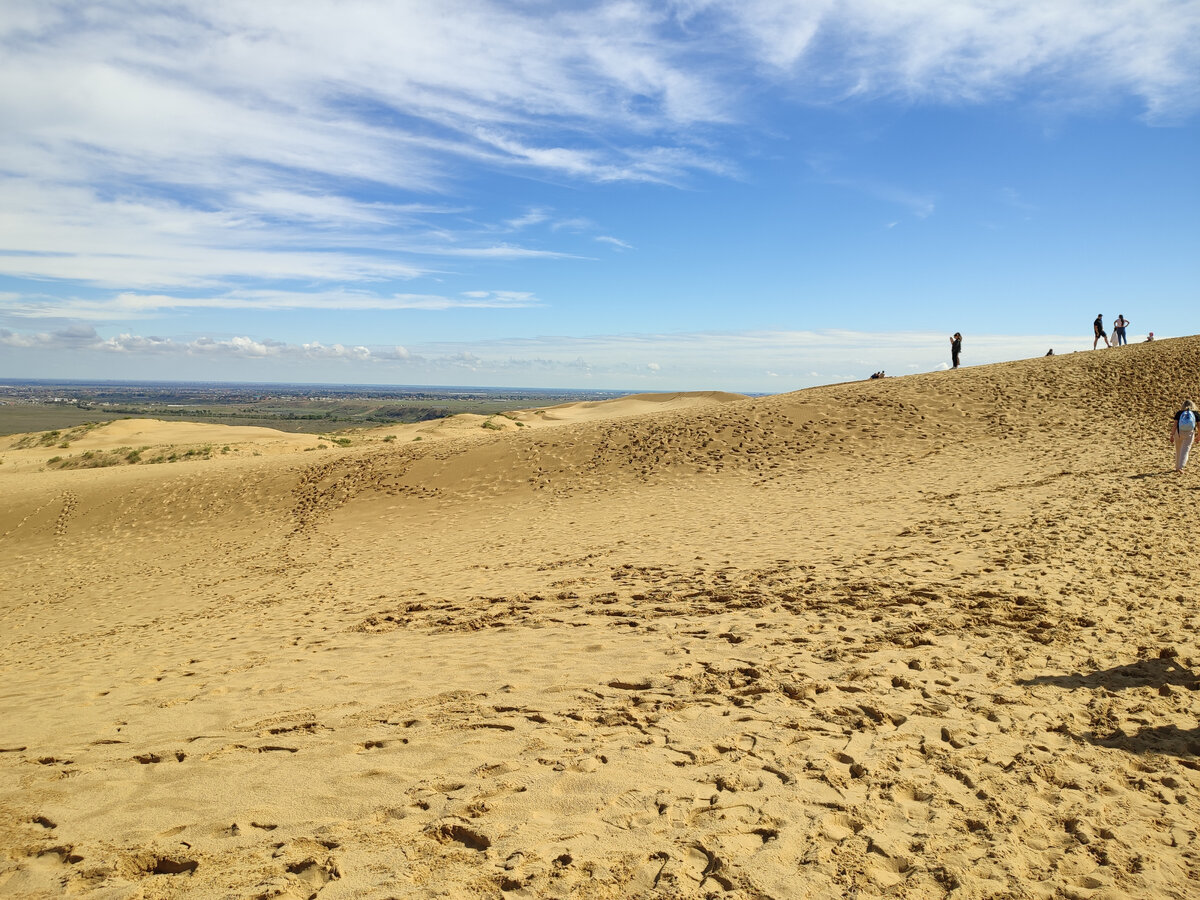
922, 637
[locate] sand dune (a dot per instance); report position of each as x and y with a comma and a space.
635, 404
99, 444
469, 425
920, 637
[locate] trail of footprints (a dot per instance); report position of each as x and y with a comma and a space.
857, 699
854, 672
70, 500
837, 788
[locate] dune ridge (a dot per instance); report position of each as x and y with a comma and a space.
930, 636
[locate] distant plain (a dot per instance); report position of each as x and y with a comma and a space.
29, 406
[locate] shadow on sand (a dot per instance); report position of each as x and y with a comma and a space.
1162, 673
1143, 673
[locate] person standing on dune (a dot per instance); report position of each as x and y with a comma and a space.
1098, 329
1119, 324
1183, 432
955, 348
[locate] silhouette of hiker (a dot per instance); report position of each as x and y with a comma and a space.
955, 348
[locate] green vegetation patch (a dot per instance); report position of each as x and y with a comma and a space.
92, 459
126, 456
56, 437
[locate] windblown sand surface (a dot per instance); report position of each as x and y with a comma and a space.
920, 637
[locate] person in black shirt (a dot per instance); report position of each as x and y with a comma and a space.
955, 348
1098, 328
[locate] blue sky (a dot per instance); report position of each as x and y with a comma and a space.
745, 195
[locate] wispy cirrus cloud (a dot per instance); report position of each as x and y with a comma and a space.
69, 233
614, 242
966, 52
131, 305
211, 145
919, 204
529, 218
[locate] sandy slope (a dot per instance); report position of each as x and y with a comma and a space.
25, 454
920, 637
468, 425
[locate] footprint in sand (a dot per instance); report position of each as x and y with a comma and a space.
913, 803
702, 865
889, 872
39, 874
313, 875
839, 826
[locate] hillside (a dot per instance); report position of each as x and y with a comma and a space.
930, 636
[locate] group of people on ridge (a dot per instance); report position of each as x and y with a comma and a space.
1119, 338
1183, 426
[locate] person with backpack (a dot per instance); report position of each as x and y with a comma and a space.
1183, 432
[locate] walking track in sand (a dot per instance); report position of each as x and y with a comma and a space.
919, 637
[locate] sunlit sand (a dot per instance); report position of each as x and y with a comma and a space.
931, 636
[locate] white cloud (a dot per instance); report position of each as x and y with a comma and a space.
575, 224
316, 350
229, 142
745, 361
325, 210
958, 51
919, 204
616, 242
60, 232
239, 347
530, 218
496, 251
129, 305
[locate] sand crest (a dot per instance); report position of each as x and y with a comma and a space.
921, 637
